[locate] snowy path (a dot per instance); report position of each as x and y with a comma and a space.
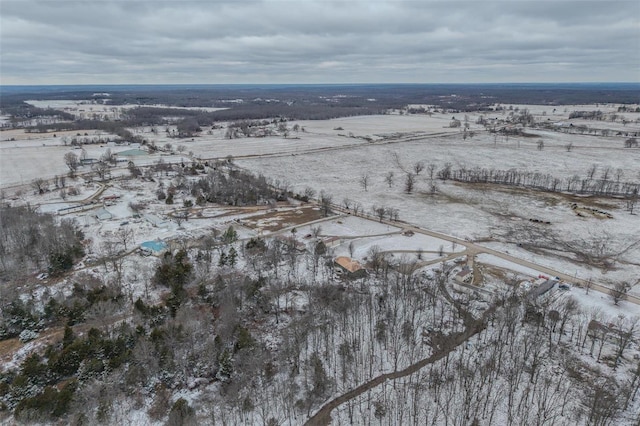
472, 327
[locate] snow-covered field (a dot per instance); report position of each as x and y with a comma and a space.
23, 161
484, 213
350, 131
511, 266
331, 155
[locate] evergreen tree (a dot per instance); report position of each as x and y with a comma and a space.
68, 336
233, 257
225, 362
230, 236
223, 259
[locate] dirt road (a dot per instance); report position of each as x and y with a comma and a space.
473, 248
472, 327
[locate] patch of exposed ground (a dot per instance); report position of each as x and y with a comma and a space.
276, 220
548, 198
496, 273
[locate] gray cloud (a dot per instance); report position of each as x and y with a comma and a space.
314, 41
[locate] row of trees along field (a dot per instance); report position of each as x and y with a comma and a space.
609, 184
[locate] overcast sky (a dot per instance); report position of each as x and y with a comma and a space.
318, 41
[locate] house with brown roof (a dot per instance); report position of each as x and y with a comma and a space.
352, 268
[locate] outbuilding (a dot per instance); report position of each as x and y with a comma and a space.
465, 276
103, 214
542, 289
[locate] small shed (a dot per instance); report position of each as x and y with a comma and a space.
103, 214
331, 242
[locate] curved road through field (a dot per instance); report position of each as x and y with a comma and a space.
474, 249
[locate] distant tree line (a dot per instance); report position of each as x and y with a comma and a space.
24, 111
314, 102
587, 115
145, 116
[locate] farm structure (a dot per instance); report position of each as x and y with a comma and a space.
352, 268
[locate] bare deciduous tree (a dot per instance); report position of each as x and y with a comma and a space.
625, 329
619, 292
389, 179
108, 157
347, 202
40, 185
124, 236
357, 208
379, 211
71, 160
632, 201
101, 168
418, 167
325, 203
588, 285
392, 213
431, 168
364, 181
409, 183
180, 217
309, 192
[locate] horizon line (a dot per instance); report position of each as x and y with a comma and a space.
317, 84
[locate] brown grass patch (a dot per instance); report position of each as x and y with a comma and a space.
549, 198
277, 220
8, 348
494, 272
